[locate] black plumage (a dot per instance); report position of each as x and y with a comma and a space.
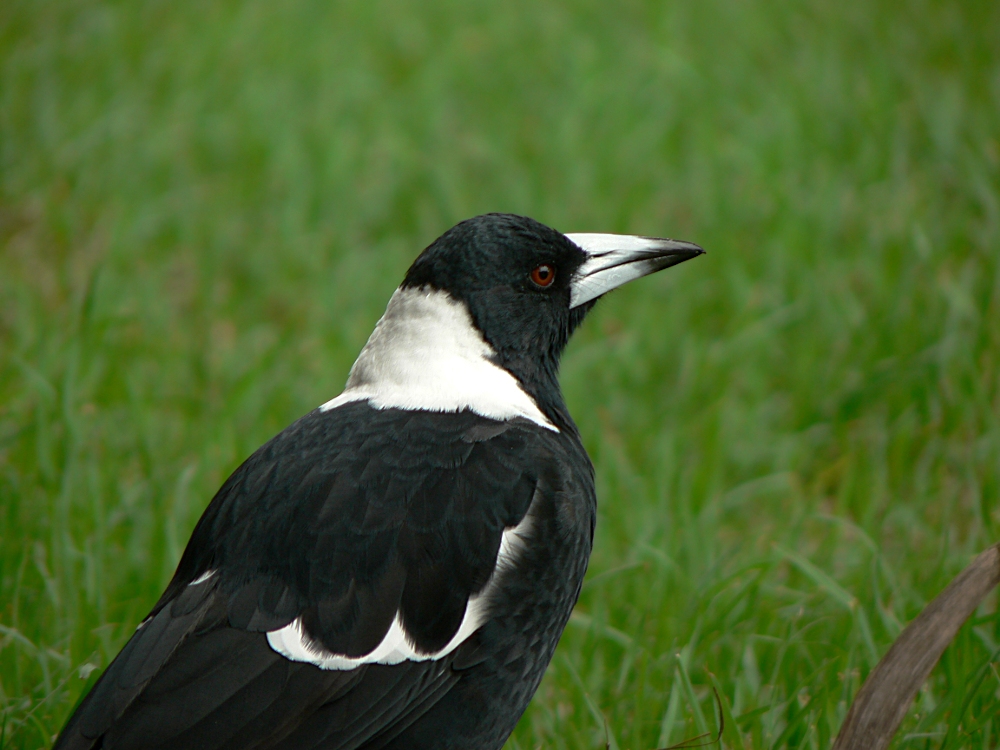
363, 515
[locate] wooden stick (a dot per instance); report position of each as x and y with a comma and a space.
883, 700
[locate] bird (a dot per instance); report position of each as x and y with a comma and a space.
394, 569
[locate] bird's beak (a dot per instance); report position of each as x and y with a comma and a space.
616, 259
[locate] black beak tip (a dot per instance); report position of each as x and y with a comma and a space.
673, 252
678, 247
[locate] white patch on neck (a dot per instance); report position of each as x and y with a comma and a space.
397, 646
426, 354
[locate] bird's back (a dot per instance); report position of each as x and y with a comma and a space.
468, 535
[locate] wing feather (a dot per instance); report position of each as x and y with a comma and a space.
348, 524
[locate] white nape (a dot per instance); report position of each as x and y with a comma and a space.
426, 354
397, 646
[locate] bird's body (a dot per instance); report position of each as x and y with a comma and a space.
395, 568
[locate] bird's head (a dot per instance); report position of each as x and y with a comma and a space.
503, 288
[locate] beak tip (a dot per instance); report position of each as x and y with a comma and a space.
677, 247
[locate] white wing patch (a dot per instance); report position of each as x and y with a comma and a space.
426, 354
292, 642
202, 578
199, 580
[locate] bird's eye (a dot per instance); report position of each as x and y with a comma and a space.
543, 275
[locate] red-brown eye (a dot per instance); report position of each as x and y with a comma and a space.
544, 275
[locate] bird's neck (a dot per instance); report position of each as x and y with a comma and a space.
426, 354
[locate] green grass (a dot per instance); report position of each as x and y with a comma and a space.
205, 206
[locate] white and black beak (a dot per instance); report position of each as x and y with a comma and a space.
616, 259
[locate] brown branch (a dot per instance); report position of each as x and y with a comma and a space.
884, 699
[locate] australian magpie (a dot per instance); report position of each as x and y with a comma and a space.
395, 568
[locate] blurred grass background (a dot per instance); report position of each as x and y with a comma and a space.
204, 208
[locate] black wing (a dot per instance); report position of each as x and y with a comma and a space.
342, 520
